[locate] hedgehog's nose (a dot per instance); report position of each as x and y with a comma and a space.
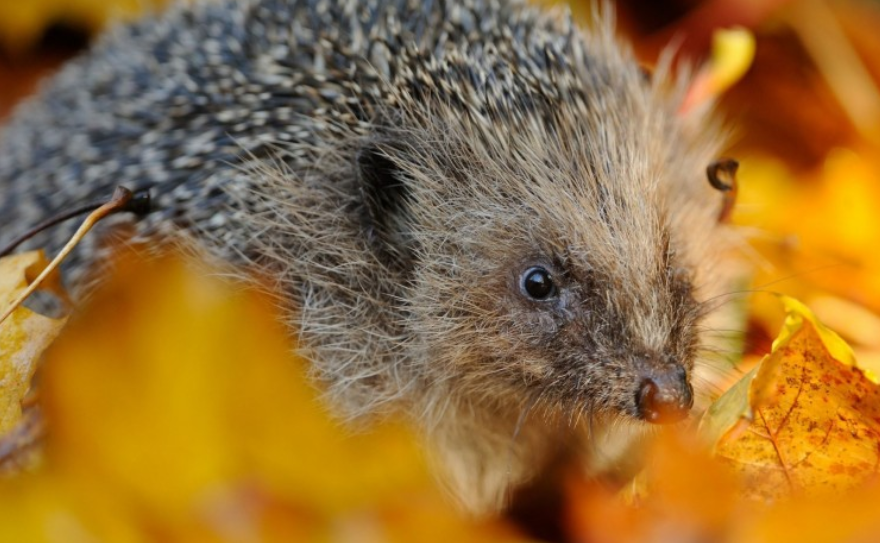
665, 395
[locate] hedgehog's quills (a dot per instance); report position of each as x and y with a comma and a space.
474, 208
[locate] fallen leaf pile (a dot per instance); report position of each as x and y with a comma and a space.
175, 412
790, 453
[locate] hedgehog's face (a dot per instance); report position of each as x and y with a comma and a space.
576, 327
584, 341
553, 242
580, 299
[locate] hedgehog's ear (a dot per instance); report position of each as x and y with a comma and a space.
384, 198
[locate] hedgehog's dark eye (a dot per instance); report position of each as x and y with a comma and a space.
537, 284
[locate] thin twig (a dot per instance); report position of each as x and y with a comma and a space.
139, 205
121, 200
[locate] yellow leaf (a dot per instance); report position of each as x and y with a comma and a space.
24, 335
812, 421
796, 314
733, 51
176, 412
23, 23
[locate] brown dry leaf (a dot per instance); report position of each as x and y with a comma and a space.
805, 422
24, 335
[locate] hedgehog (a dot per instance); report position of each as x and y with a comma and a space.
476, 213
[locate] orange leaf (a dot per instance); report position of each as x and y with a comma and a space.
812, 421
24, 335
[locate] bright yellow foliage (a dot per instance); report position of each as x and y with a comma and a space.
24, 335
177, 413
814, 237
22, 22
733, 51
807, 423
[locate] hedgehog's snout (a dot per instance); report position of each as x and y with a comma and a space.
664, 394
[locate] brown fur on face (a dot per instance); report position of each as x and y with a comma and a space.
625, 294
586, 172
